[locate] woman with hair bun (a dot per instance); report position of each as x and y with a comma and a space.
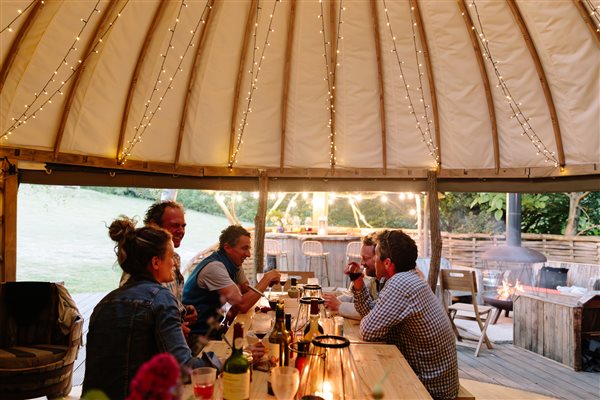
138, 320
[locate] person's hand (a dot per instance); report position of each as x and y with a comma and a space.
258, 350
186, 330
191, 315
270, 278
331, 302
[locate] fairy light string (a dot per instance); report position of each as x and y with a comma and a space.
425, 133
515, 106
593, 10
44, 91
149, 114
330, 78
254, 75
19, 14
433, 150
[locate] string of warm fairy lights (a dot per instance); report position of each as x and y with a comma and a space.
149, 114
28, 113
515, 106
433, 151
19, 14
330, 79
593, 10
426, 136
254, 75
252, 84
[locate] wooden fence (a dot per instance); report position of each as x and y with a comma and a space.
466, 249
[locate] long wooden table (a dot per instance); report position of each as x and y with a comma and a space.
372, 361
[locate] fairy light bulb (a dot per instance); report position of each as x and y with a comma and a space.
254, 80
514, 105
424, 131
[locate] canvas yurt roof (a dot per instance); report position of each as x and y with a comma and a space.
496, 95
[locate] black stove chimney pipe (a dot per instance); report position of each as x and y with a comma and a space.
513, 219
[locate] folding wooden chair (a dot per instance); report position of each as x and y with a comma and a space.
465, 281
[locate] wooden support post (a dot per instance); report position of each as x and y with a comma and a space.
434, 229
8, 211
260, 221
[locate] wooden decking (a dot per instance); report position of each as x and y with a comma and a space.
505, 365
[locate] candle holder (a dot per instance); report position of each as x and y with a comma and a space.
303, 317
330, 372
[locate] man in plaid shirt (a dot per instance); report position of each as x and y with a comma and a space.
408, 314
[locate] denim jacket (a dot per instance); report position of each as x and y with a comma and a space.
127, 328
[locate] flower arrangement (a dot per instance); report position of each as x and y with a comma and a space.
157, 379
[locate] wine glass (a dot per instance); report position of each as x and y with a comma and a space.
285, 381
282, 280
261, 325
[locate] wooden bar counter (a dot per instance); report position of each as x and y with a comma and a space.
333, 243
372, 361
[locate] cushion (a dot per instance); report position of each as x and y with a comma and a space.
550, 277
31, 356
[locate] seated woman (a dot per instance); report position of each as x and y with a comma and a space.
138, 320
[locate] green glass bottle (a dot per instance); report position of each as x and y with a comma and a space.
279, 341
236, 371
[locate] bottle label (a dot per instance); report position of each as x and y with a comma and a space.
274, 353
236, 386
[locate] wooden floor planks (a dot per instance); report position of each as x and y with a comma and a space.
505, 365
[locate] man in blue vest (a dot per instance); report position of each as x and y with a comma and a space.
219, 279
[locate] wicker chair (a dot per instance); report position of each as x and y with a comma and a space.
39, 339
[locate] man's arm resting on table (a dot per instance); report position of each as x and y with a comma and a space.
242, 302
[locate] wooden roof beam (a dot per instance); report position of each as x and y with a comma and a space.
333, 42
514, 8
238, 84
434, 106
286, 80
192, 80
377, 39
158, 14
585, 14
485, 80
18, 40
101, 28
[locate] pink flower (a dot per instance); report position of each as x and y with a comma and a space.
157, 379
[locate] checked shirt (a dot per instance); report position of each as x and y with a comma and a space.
409, 315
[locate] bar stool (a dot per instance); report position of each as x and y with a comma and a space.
273, 248
313, 249
352, 254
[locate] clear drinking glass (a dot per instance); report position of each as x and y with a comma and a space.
285, 381
261, 325
203, 380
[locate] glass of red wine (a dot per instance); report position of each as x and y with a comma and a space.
203, 380
261, 325
355, 272
282, 280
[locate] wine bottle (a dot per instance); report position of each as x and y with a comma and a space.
279, 341
313, 329
288, 326
302, 354
236, 371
